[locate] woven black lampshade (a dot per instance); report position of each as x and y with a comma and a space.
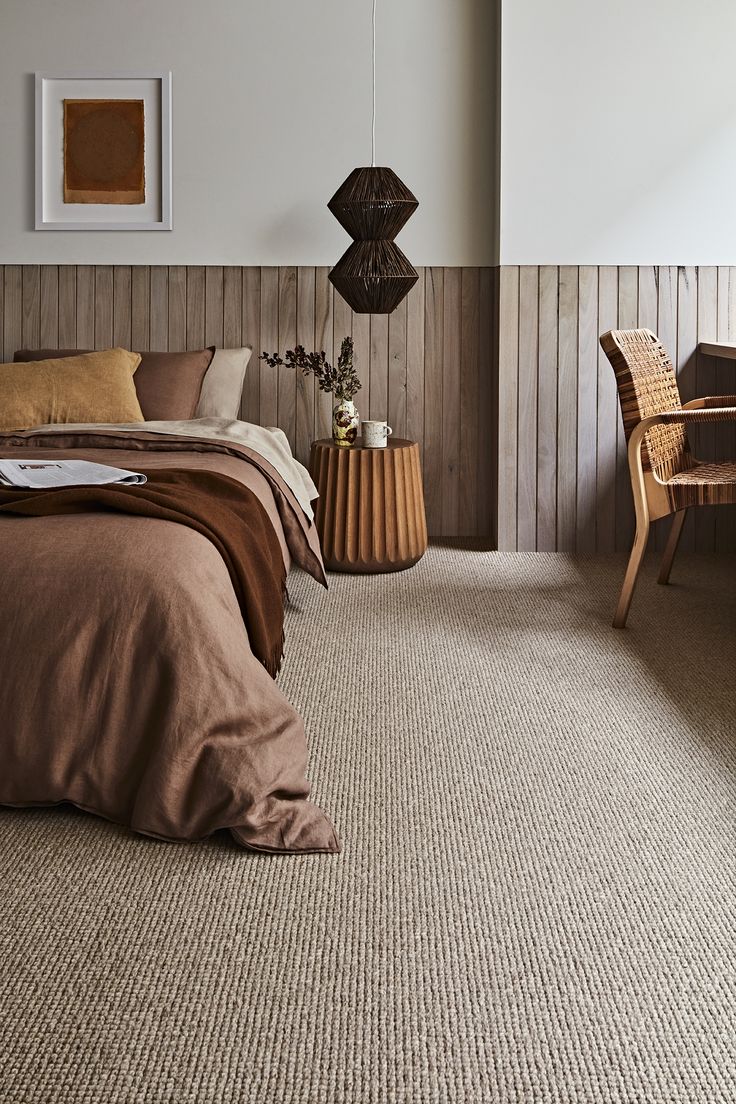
373, 205
373, 276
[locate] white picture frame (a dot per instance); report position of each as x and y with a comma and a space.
52, 213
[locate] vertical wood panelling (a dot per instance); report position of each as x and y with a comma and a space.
122, 322
49, 329
195, 307
526, 472
85, 307
67, 307
546, 444
305, 335
378, 368
607, 416
251, 335
286, 417
177, 336
667, 309
324, 337
232, 308
469, 407
12, 309
433, 341
648, 295
451, 359
415, 363
103, 309
508, 406
31, 313
397, 351
140, 308
487, 399
687, 337
269, 397
159, 311
214, 309
497, 373
567, 395
359, 326
579, 443
687, 330
586, 431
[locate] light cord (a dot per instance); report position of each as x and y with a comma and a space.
373, 119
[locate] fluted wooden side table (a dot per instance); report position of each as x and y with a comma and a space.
370, 512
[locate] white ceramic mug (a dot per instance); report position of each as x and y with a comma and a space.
375, 434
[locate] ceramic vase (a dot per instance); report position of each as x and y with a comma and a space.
345, 423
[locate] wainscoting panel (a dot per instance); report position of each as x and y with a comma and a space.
427, 368
563, 481
497, 373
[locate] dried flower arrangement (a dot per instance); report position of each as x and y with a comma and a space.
340, 380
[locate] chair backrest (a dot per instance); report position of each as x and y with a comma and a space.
647, 385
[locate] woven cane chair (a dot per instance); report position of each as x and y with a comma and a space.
665, 476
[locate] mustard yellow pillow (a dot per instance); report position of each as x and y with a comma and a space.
91, 387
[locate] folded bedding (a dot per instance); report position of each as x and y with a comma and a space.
139, 636
266, 448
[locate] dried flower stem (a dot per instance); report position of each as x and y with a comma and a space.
340, 380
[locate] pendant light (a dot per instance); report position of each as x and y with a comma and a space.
373, 275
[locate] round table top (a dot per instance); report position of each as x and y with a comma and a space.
357, 446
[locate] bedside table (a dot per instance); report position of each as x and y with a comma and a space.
370, 513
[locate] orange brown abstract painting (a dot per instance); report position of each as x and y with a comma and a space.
104, 147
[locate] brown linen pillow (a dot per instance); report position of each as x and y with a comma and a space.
92, 387
168, 384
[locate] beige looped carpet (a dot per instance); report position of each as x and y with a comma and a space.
535, 901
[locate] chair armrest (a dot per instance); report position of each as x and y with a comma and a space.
706, 414
667, 417
675, 417
710, 401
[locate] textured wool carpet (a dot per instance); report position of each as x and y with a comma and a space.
535, 900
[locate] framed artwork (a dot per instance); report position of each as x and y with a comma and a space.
103, 151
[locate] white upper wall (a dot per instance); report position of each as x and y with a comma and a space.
271, 109
618, 132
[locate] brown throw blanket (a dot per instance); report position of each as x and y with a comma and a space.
220, 508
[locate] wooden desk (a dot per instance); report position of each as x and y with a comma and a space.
370, 512
724, 349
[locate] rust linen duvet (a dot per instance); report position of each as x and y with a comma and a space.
127, 683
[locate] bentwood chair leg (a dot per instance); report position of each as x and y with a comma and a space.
672, 542
627, 590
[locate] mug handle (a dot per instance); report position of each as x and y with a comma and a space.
389, 430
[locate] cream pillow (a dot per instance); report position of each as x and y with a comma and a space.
222, 386
91, 387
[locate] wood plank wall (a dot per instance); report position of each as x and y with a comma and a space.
562, 475
427, 368
496, 372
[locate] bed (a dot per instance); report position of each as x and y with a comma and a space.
129, 687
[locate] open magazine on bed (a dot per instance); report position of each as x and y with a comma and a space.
37, 475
